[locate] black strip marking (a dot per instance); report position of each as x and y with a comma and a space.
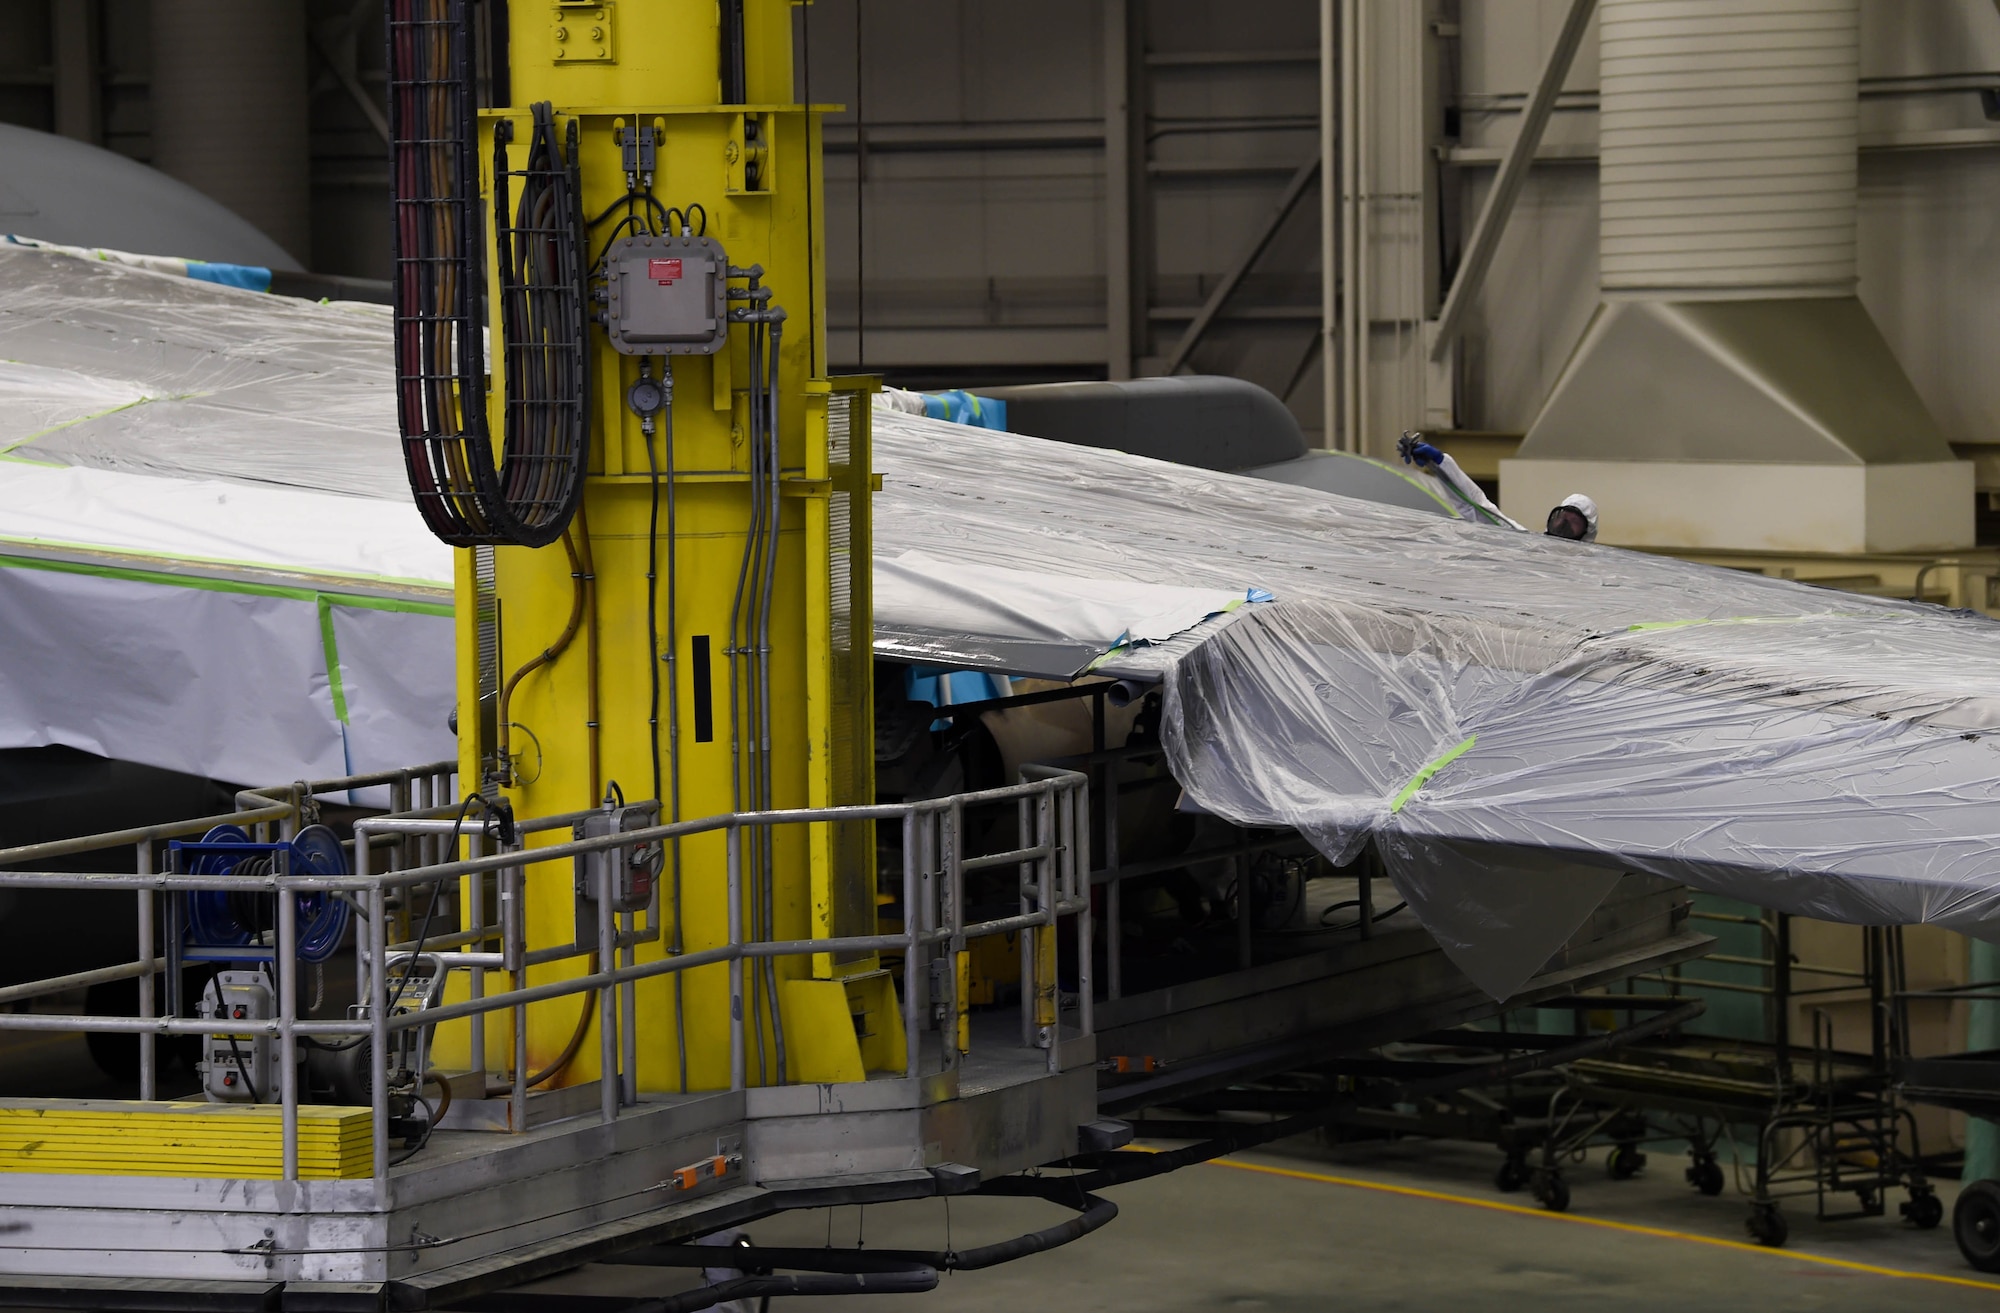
704, 705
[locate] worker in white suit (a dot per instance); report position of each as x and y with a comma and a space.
1575, 518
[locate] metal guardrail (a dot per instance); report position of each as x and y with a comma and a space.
1052, 807
280, 805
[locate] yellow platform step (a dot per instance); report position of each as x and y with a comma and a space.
104, 1137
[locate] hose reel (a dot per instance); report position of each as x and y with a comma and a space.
239, 918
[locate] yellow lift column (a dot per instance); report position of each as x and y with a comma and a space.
707, 614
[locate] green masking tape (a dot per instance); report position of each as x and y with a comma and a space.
1423, 777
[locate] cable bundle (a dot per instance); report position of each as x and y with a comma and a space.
529, 495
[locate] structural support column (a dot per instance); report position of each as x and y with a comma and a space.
1492, 221
229, 109
1117, 191
79, 87
1353, 214
1329, 226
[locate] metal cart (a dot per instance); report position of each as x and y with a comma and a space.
1827, 1122
1967, 1083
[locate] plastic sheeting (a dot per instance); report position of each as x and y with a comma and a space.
1044, 605
187, 577
250, 277
147, 372
232, 681
1517, 719
215, 520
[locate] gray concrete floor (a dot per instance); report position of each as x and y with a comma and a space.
1409, 1226
1405, 1226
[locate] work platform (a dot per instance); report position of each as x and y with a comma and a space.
505, 1182
478, 1211
514, 1184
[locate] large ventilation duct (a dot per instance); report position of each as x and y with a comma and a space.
1731, 392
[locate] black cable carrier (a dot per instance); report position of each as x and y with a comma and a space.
467, 498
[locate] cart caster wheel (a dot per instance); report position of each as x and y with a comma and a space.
1975, 1224
1625, 1162
1552, 1193
1513, 1174
1705, 1175
1767, 1226
1923, 1210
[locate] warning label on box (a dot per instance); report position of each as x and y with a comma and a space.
664, 272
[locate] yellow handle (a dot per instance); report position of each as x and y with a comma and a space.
964, 1001
1045, 975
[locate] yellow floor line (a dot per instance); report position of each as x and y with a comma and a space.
1632, 1228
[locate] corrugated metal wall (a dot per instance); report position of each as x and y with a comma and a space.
1927, 236
1727, 134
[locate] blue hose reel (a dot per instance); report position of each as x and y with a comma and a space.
235, 919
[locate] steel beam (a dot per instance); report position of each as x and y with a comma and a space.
79, 86
1492, 221
1117, 192
344, 72
1329, 230
1302, 180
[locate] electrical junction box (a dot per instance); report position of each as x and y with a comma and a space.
666, 296
632, 874
238, 1068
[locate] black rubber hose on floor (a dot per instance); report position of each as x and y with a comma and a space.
1092, 1213
913, 1280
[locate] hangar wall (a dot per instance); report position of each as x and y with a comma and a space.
1044, 189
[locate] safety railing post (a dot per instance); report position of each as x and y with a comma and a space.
915, 970
514, 950
428, 849
1076, 855
475, 977
1114, 890
628, 1021
378, 1037
960, 1041
149, 1072
607, 998
1048, 1013
288, 1010
1028, 943
734, 837
363, 959
399, 802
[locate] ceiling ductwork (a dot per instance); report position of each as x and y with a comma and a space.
1731, 392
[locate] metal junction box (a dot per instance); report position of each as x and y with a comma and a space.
666, 296
630, 874
238, 1068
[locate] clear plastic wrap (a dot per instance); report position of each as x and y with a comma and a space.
176, 585
141, 371
1518, 719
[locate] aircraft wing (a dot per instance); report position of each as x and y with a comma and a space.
1516, 719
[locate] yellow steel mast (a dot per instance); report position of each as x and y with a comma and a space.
701, 633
